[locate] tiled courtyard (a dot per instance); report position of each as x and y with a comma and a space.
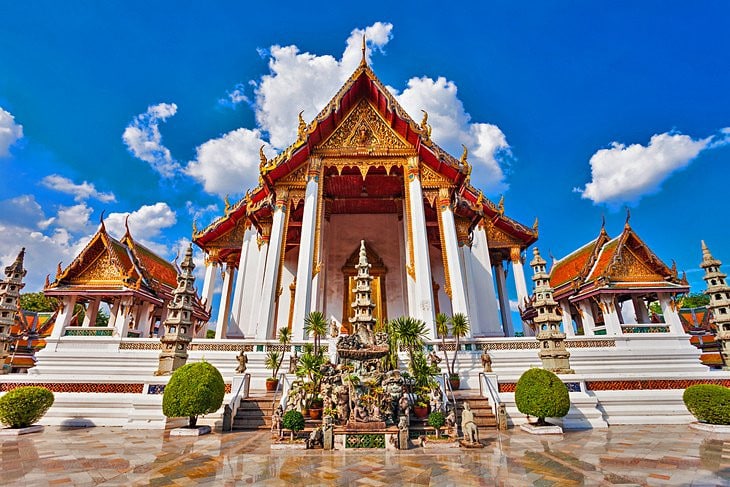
621, 455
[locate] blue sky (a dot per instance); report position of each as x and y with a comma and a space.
572, 110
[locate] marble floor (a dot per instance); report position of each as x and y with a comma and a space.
621, 455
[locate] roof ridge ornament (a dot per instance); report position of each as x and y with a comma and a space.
364, 60
101, 221
628, 217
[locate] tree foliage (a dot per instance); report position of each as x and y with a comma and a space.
194, 389
316, 325
694, 300
708, 403
293, 421
24, 406
541, 394
38, 302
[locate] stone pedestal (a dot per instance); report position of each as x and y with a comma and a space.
541, 430
198, 431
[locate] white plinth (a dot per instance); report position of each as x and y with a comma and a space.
200, 430
14, 432
285, 445
723, 429
541, 430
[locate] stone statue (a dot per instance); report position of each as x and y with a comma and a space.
468, 426
434, 359
316, 438
276, 421
293, 362
486, 361
242, 361
361, 414
343, 402
404, 406
436, 400
334, 328
451, 421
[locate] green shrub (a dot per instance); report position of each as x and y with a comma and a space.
293, 421
541, 394
436, 420
24, 406
708, 403
194, 389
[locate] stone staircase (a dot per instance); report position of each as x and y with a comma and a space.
254, 412
483, 414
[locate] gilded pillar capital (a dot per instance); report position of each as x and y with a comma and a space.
462, 231
282, 198
444, 201
515, 255
412, 170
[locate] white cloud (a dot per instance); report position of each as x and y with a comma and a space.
144, 141
234, 97
74, 218
623, 174
229, 164
303, 81
145, 223
10, 132
22, 210
80, 192
452, 127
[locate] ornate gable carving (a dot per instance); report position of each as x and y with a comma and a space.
101, 269
364, 129
232, 239
628, 267
432, 179
498, 238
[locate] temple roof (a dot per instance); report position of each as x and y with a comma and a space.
363, 91
622, 263
108, 264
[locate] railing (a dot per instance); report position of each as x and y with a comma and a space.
88, 331
240, 393
492, 393
283, 385
443, 380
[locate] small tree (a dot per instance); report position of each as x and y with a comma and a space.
459, 329
708, 403
316, 325
410, 333
24, 406
442, 330
293, 421
194, 389
541, 394
436, 420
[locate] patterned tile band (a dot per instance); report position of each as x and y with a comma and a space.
634, 385
77, 387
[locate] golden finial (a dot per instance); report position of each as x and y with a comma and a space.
262, 157
364, 60
535, 225
195, 226
628, 217
464, 155
101, 221
226, 202
59, 271
47, 284
500, 205
425, 127
302, 127
480, 199
674, 269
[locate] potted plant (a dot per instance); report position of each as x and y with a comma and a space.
420, 406
541, 394
315, 408
458, 327
293, 421
273, 362
194, 389
709, 403
24, 406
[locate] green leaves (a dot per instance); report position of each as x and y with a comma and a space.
708, 403
24, 406
542, 394
194, 389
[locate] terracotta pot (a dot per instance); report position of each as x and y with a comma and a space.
420, 411
305, 412
454, 383
315, 413
271, 384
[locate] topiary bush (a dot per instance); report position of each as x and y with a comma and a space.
194, 389
24, 406
708, 403
293, 421
436, 420
542, 394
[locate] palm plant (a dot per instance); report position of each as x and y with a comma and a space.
284, 339
459, 329
273, 362
410, 333
442, 329
316, 325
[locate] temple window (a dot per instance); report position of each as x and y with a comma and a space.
723, 311
718, 296
713, 282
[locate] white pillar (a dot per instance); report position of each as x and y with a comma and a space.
456, 276
265, 324
236, 325
303, 293
113, 310
504, 308
424, 289
124, 316
610, 316
208, 285
145, 319
409, 284
64, 316
640, 310
671, 317
91, 311
485, 295
519, 274
567, 319
251, 288
258, 283
224, 307
472, 300
586, 316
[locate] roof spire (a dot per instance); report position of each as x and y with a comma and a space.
127, 233
628, 217
364, 60
101, 221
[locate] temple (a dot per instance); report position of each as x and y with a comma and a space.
363, 169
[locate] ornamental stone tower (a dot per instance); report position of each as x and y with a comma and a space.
719, 307
553, 354
10, 288
179, 322
363, 320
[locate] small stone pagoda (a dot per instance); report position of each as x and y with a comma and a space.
179, 322
553, 354
719, 293
10, 287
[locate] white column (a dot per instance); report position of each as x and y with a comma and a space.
303, 293
586, 316
424, 289
145, 319
91, 311
486, 297
519, 274
456, 276
124, 316
472, 300
208, 285
640, 310
409, 284
504, 300
259, 283
224, 307
264, 325
113, 310
567, 319
610, 316
236, 325
64, 316
671, 317
251, 287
